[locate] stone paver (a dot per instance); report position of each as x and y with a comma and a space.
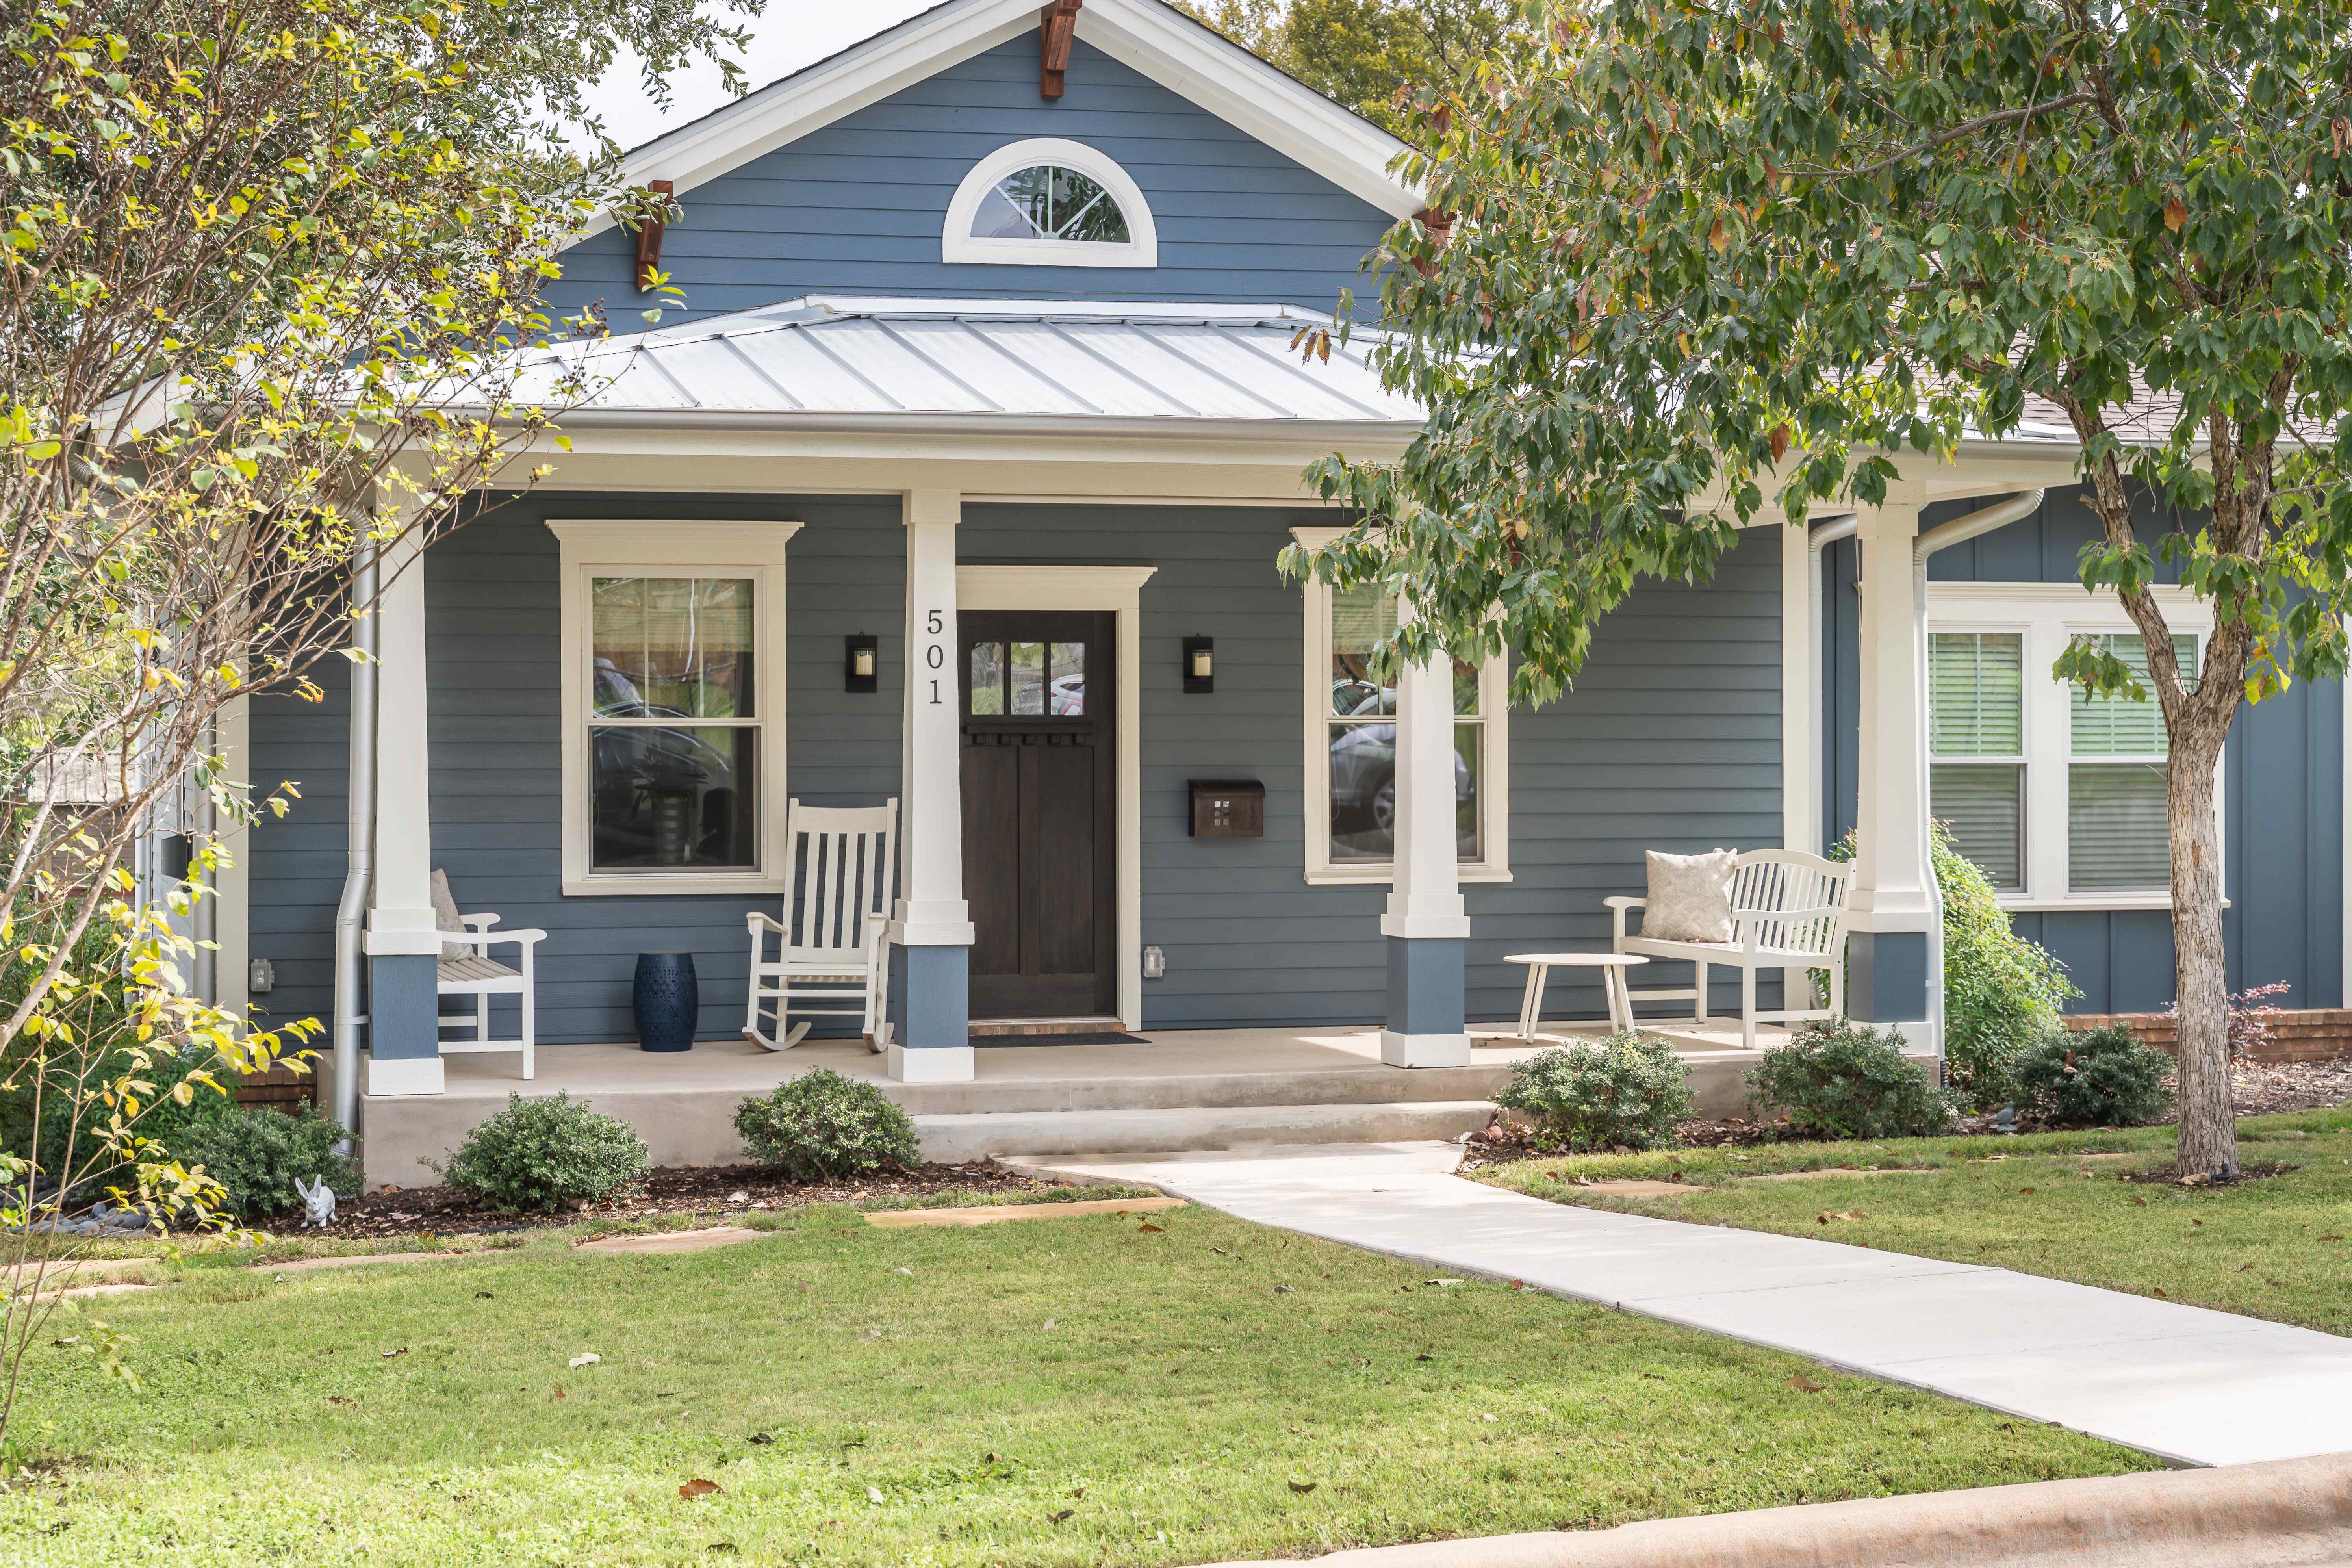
2191, 1385
364, 1260
998, 1214
701, 1240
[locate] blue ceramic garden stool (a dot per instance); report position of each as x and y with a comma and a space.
668, 1001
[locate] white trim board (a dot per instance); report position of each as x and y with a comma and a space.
661, 547
957, 243
1118, 591
1155, 39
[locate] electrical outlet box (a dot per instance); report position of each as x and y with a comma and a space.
260, 977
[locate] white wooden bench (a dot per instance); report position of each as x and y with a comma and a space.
1788, 911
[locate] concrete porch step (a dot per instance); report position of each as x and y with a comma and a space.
1186, 1084
961, 1137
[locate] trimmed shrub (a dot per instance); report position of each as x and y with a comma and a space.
259, 1153
1628, 1091
542, 1153
2098, 1078
821, 1127
1838, 1078
2002, 993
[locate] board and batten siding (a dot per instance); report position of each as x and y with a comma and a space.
2282, 782
1670, 739
858, 206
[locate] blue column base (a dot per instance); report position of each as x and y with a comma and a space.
1886, 976
1428, 1006
404, 1025
930, 1002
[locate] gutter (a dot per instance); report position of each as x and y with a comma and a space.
359, 847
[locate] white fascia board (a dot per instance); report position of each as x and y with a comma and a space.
783, 112
1238, 87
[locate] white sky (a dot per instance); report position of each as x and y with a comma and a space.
790, 33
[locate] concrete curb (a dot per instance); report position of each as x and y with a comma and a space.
2284, 1513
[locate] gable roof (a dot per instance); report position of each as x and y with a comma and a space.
1148, 36
1068, 366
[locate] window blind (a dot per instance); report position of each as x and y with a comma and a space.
2117, 838
2118, 726
1983, 806
1975, 694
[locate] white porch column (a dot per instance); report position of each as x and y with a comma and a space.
1426, 925
1894, 908
403, 942
930, 933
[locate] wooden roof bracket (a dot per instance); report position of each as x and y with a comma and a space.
649, 234
1056, 25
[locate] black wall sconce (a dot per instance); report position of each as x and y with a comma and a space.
1200, 664
862, 663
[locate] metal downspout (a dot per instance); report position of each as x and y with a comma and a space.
359, 848
1943, 536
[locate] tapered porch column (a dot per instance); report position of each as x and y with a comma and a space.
1894, 908
1426, 926
402, 942
930, 933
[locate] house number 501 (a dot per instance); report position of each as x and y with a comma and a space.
935, 654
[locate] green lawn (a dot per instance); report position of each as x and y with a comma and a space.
1072, 1390
2280, 1248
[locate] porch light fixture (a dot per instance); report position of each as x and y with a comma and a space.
1200, 664
860, 670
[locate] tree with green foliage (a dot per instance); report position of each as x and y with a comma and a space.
260, 268
1366, 54
1708, 255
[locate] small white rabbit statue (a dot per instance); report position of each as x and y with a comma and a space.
318, 1202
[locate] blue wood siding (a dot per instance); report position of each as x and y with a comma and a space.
2282, 782
1670, 739
858, 206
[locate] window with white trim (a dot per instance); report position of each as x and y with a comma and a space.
673, 705
1351, 762
1049, 201
2058, 795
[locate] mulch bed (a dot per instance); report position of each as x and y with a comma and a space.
703, 1190
2263, 1089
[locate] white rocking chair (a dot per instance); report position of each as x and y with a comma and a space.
836, 911
477, 975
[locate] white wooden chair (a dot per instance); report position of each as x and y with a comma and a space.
836, 908
480, 977
1788, 911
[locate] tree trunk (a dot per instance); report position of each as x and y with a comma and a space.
2209, 1128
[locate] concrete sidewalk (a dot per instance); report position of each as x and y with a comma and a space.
2189, 1386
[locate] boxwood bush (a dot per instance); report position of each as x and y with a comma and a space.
257, 1153
2097, 1078
1838, 1078
821, 1127
1628, 1091
543, 1154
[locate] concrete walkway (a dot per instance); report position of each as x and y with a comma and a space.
2189, 1385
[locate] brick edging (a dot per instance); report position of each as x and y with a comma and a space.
2305, 1034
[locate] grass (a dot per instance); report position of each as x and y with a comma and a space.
2280, 1248
1084, 1391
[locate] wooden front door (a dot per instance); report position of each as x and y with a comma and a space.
1040, 779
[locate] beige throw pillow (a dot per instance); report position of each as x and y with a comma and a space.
445, 916
1690, 897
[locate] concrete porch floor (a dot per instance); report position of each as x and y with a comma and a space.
1177, 1080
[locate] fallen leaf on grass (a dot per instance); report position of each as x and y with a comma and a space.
2249, 1268
2158, 1292
724, 1548
561, 1394
1842, 1214
401, 1351
1077, 1491
697, 1488
1805, 1384
338, 1399
2025, 1191
1285, 1290
873, 1494
908, 1272
1424, 1358
1152, 1229
1441, 1281
2331, 1239
2139, 1203
989, 1458
1051, 1324
588, 1358
1483, 1417
762, 1439
1303, 1487
1057, 1516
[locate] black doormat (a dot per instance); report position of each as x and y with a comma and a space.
1113, 1039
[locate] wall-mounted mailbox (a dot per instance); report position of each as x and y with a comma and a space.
1228, 808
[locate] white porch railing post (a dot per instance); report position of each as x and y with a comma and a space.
1425, 923
403, 943
930, 933
1894, 908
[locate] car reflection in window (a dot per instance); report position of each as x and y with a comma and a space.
1363, 773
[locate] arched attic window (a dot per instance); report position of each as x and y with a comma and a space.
1049, 202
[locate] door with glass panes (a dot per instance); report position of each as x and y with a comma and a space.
1040, 776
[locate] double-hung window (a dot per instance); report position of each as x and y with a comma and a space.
2057, 796
673, 706
1351, 750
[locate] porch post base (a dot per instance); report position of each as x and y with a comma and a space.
940, 1064
1428, 1011
1425, 1050
1886, 982
403, 1021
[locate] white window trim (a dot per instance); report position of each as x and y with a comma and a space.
1493, 707
957, 242
668, 548
2049, 614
